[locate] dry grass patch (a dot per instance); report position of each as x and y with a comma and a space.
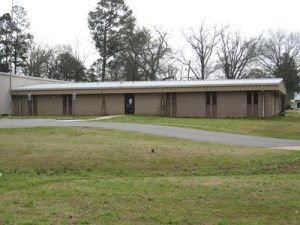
95, 176
61, 150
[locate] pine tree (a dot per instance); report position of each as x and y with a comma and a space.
5, 42
287, 69
109, 24
14, 39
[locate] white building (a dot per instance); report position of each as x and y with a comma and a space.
16, 81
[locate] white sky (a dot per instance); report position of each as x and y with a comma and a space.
65, 21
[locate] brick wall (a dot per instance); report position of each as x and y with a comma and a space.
148, 104
231, 104
49, 105
191, 105
114, 104
88, 105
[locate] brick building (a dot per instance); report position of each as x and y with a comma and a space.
221, 98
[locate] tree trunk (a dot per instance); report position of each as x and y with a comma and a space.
202, 71
104, 57
103, 69
15, 62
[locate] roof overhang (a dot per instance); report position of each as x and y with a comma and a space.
153, 87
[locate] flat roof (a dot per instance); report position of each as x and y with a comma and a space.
30, 77
149, 84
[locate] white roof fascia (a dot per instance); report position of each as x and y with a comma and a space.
148, 84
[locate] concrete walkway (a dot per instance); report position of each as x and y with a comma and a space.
95, 119
183, 133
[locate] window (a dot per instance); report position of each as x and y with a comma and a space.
249, 98
207, 98
251, 95
211, 96
214, 98
255, 98
298, 105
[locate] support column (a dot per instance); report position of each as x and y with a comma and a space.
263, 104
20, 105
211, 104
163, 105
171, 105
103, 105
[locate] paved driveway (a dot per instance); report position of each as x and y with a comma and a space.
184, 133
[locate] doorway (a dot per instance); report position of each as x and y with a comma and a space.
211, 104
129, 104
252, 104
67, 105
171, 104
32, 106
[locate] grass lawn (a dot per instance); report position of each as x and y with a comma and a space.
50, 117
281, 127
95, 176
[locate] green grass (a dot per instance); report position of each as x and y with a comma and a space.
281, 127
50, 117
94, 176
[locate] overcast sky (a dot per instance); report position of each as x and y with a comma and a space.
65, 21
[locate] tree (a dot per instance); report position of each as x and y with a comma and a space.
286, 68
151, 54
68, 67
122, 68
5, 42
53, 52
91, 75
203, 43
145, 57
38, 60
274, 46
236, 54
21, 38
125, 65
94, 71
257, 73
110, 24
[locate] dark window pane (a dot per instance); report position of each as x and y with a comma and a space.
214, 98
207, 98
249, 98
255, 98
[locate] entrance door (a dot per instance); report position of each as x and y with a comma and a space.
171, 104
129, 104
67, 105
34, 101
32, 106
252, 104
211, 104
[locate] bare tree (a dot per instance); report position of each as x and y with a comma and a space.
275, 45
203, 43
189, 64
80, 55
152, 54
236, 53
37, 61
